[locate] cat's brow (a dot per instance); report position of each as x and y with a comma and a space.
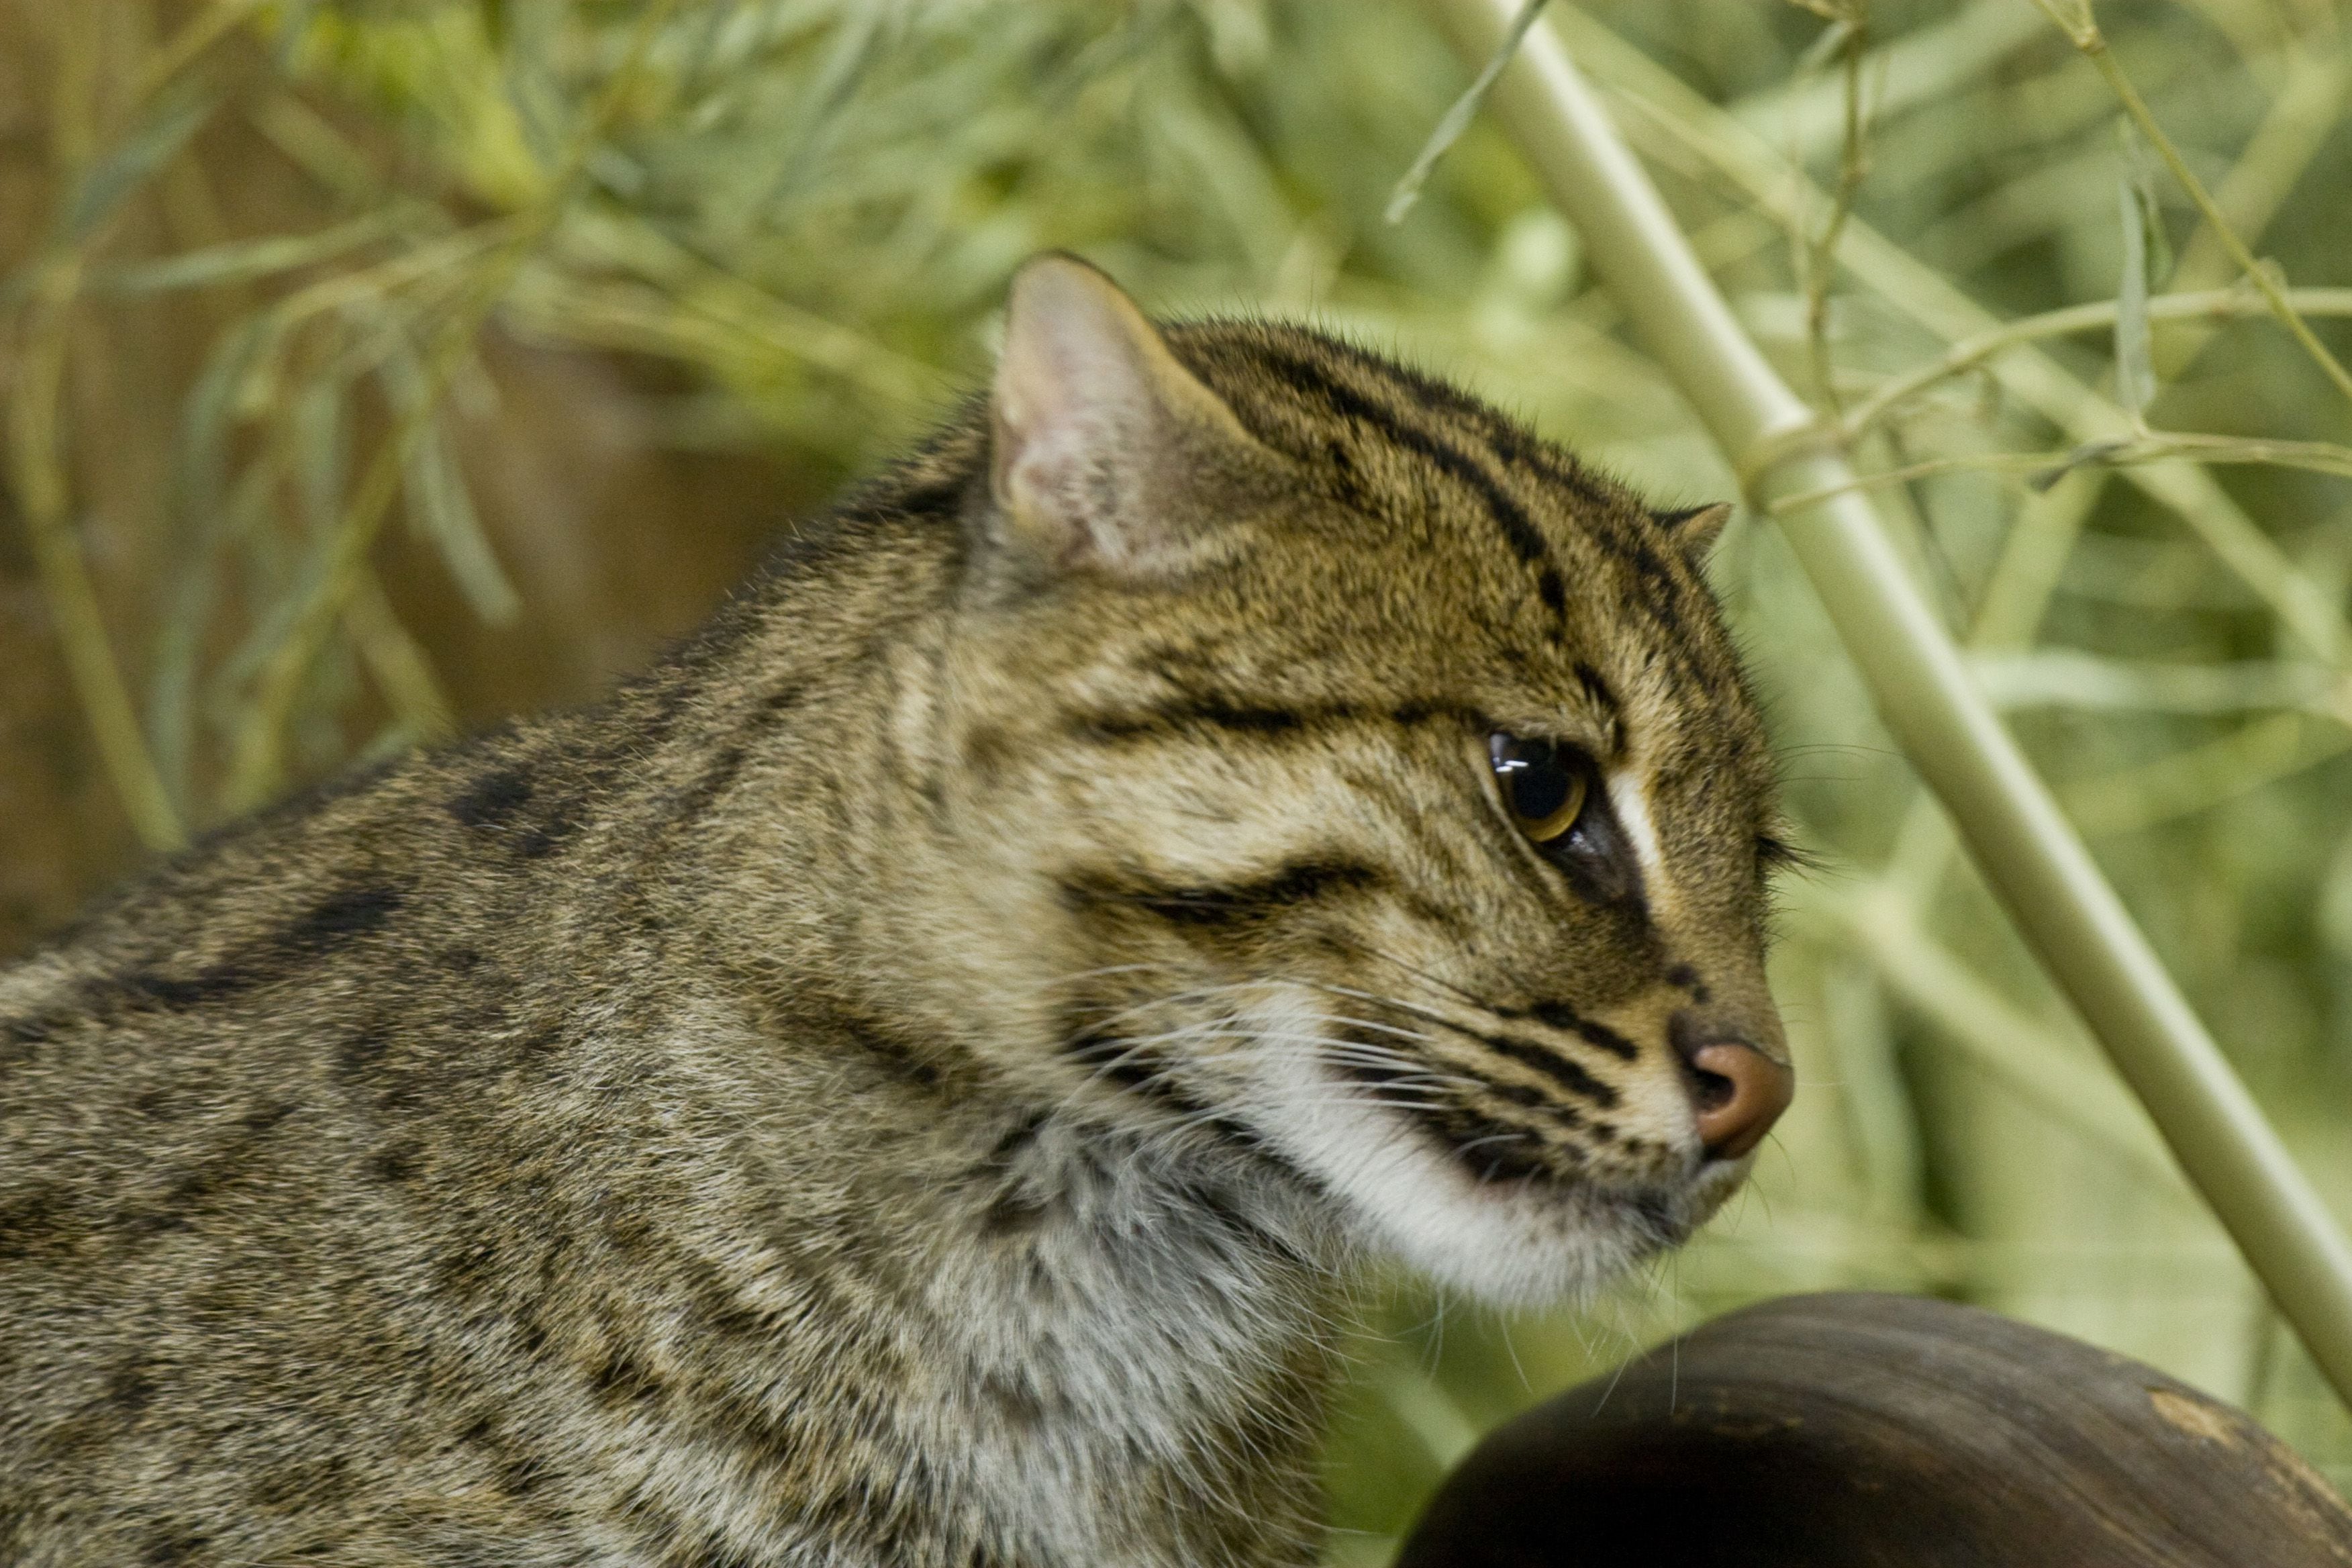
1183, 716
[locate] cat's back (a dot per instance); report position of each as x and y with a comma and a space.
267, 955
325, 1149
450, 897
244, 1114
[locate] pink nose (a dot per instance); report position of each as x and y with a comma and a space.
1738, 1093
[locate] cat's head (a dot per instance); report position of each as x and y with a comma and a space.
1342, 772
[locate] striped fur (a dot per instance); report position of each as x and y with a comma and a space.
901, 1082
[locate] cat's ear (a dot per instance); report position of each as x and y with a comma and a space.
1694, 529
1106, 453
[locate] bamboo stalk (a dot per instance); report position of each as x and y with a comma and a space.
2030, 855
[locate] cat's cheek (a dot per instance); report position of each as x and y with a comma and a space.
1507, 1242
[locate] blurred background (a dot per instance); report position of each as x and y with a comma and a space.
375, 369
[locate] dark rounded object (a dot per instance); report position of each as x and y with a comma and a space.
1840, 1430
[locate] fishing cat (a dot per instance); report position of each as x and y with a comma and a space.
901, 1082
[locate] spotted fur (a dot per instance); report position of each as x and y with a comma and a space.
900, 1082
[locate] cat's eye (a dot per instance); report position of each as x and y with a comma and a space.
1542, 785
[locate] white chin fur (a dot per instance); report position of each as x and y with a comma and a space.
1507, 1242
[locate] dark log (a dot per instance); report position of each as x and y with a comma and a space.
1841, 1430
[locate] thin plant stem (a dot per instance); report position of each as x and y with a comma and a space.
1805, 117
2155, 447
38, 473
208, 28
38, 480
2216, 304
1818, 255
35, 463
2026, 573
2084, 32
402, 669
2271, 163
1456, 119
2031, 1056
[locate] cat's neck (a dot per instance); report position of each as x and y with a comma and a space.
1156, 1326
1120, 1347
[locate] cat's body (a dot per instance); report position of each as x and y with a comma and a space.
897, 1084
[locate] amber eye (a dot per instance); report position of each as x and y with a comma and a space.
1541, 784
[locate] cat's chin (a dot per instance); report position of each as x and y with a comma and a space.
1521, 1242
1508, 1241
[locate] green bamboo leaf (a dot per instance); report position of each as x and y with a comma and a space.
858, 48
206, 516
2145, 256
1830, 44
1457, 119
440, 504
292, 29
315, 146
284, 589
176, 114
528, 37
445, 504
2147, 177
322, 452
241, 261
250, 538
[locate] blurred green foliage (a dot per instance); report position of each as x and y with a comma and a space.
810, 208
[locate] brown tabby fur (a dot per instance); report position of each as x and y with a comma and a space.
899, 1082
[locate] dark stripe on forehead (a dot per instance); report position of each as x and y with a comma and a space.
1597, 687
1518, 532
1510, 443
1191, 714
1514, 446
1169, 720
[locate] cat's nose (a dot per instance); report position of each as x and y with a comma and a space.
1738, 1090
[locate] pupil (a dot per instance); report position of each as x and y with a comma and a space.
1538, 788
